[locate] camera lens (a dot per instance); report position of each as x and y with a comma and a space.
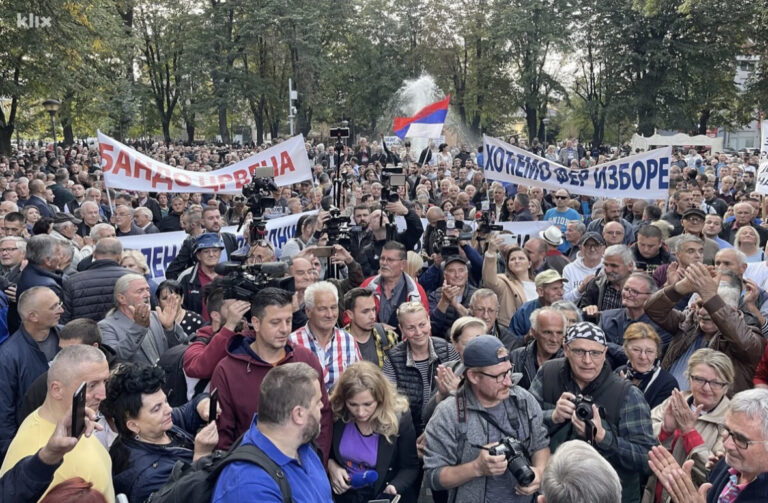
584, 411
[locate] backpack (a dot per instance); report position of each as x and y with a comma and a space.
195, 483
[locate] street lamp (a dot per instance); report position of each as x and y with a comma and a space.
545, 121
52, 106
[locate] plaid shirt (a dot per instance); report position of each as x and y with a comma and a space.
340, 352
383, 344
611, 298
732, 488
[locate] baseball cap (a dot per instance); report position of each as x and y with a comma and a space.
593, 236
484, 351
694, 211
454, 258
547, 277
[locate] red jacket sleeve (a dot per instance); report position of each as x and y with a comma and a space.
200, 359
225, 421
761, 374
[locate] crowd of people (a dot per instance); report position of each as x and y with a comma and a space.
618, 355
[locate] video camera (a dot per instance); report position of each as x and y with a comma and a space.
258, 197
391, 178
485, 223
445, 240
243, 282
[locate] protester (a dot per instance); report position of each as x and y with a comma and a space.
549, 287
563, 480
514, 288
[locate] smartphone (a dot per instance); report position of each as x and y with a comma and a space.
78, 412
213, 405
323, 251
386, 498
508, 239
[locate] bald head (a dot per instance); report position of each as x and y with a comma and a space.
108, 249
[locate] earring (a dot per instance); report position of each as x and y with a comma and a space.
137, 437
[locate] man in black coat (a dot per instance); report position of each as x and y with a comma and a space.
88, 294
743, 214
185, 259
377, 223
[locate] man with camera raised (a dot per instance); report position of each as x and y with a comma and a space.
583, 399
488, 443
378, 222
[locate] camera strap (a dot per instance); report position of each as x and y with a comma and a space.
461, 416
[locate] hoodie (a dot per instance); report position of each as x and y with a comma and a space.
238, 378
575, 272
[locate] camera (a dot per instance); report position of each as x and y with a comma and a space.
258, 197
517, 462
584, 407
243, 282
391, 179
339, 132
485, 224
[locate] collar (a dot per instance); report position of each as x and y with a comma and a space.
410, 362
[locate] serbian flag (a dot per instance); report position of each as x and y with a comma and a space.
427, 123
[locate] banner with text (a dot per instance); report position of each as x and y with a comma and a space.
161, 249
761, 185
125, 168
646, 173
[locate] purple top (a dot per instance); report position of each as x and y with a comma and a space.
358, 451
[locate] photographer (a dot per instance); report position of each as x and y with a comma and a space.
378, 221
488, 408
583, 399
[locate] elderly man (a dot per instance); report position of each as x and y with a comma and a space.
521, 208
537, 251
688, 250
72, 367
12, 252
65, 230
26, 353
714, 322
124, 224
683, 202
693, 224
563, 480
742, 474
588, 262
617, 420
548, 328
484, 304
612, 211
487, 409
377, 223
743, 214
43, 259
38, 199
335, 348
613, 233
142, 217
574, 230
604, 292
89, 213
450, 301
208, 248
211, 221
549, 287
135, 332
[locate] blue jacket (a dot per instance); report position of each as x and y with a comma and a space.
150, 465
33, 275
27, 480
520, 323
614, 323
242, 482
21, 362
756, 492
41, 205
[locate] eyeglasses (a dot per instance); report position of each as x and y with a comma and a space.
499, 378
591, 246
8, 250
714, 385
210, 251
640, 351
632, 292
581, 353
739, 440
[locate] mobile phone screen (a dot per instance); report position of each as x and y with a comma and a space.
78, 412
212, 406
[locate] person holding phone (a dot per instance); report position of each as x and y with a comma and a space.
152, 436
515, 286
373, 454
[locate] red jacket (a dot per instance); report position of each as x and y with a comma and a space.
202, 356
761, 374
238, 377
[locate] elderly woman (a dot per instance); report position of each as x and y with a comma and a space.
642, 346
688, 423
514, 287
152, 436
747, 241
373, 431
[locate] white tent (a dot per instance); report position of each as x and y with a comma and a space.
676, 140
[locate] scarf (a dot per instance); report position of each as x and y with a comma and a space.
634, 374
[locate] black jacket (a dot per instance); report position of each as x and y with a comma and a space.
410, 237
729, 232
27, 480
524, 361
396, 462
154, 207
170, 223
33, 275
186, 259
90, 293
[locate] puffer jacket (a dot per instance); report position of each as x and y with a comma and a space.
707, 432
149, 465
401, 369
510, 291
90, 293
742, 343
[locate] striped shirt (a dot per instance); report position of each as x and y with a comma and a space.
340, 352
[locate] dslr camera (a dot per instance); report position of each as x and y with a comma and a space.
584, 407
517, 459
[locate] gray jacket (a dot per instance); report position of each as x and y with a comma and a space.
134, 343
448, 446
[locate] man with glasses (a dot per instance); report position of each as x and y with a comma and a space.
561, 214
620, 427
714, 322
12, 251
693, 223
637, 289
208, 248
742, 474
488, 408
613, 233
484, 304
260, 251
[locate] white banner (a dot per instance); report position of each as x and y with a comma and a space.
160, 249
646, 173
125, 168
523, 231
761, 183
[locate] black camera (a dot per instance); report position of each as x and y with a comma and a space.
517, 459
485, 225
584, 407
243, 282
258, 197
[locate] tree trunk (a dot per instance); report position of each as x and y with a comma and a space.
223, 128
530, 120
166, 130
69, 136
190, 125
704, 121
6, 133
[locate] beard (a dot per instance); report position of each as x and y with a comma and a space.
311, 431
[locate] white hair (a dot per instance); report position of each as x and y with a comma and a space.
314, 288
754, 404
590, 479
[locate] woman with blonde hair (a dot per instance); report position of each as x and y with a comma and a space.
747, 241
642, 346
688, 424
134, 261
515, 286
374, 441
414, 264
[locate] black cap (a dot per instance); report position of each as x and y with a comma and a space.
694, 211
592, 235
